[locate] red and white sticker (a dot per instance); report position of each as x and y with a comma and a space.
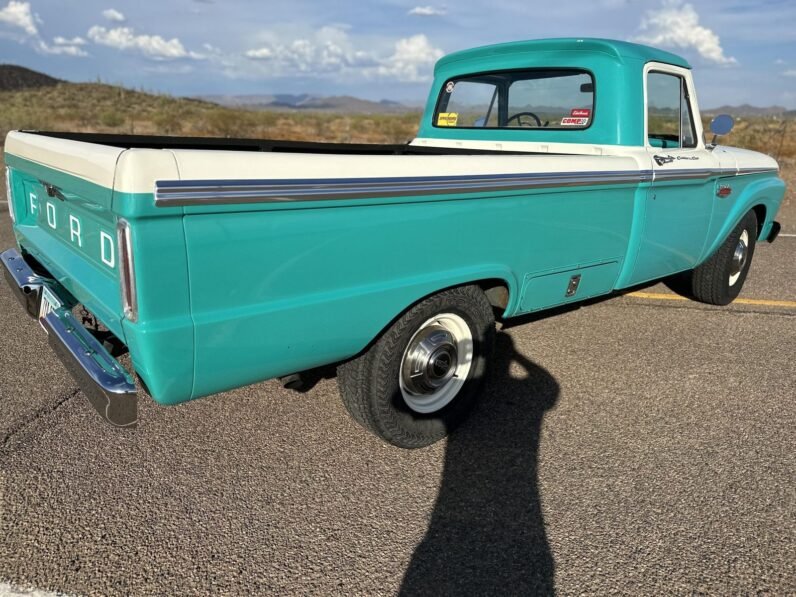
569, 121
580, 113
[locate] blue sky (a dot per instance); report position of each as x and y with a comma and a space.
743, 51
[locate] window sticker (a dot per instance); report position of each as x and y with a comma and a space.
447, 118
577, 117
449, 87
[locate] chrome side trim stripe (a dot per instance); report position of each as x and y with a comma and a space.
213, 192
702, 173
179, 193
742, 171
689, 174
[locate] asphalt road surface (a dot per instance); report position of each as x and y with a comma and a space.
639, 445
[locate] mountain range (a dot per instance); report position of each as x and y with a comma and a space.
305, 101
747, 110
14, 78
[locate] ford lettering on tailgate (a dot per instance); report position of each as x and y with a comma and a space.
70, 220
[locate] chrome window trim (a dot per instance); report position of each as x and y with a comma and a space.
12, 214
179, 193
127, 270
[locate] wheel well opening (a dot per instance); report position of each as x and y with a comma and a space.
760, 212
496, 291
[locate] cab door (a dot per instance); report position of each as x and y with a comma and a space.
680, 200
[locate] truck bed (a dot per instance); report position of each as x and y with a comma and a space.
261, 145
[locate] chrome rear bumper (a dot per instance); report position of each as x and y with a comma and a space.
107, 385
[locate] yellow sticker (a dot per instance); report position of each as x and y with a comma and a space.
447, 118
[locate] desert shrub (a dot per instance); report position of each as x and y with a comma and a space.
111, 119
229, 123
168, 121
774, 136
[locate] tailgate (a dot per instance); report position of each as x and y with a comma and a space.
61, 193
86, 213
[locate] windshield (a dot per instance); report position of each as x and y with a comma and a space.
540, 98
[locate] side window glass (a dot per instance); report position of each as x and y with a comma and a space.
669, 121
469, 104
663, 110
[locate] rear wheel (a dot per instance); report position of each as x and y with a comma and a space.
719, 280
421, 378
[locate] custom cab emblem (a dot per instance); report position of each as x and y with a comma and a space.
665, 159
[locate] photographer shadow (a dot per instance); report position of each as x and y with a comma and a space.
487, 534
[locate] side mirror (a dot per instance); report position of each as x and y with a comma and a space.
721, 125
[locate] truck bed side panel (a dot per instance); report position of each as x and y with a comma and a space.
279, 290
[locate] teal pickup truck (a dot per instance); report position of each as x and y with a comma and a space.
544, 173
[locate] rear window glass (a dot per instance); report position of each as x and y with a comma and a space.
540, 98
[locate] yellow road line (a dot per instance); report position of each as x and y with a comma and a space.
660, 296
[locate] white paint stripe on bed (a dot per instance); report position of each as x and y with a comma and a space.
9, 590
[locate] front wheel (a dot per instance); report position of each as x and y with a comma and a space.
422, 377
719, 280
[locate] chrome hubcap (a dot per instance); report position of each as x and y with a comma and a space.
739, 257
436, 363
429, 360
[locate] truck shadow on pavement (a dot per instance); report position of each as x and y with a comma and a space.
487, 532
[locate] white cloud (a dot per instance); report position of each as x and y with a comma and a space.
327, 50
412, 60
18, 14
75, 41
113, 15
427, 11
779, 61
330, 51
677, 25
63, 47
151, 46
790, 73
263, 53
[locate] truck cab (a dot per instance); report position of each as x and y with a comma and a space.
602, 97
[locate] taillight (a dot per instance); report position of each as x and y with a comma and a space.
127, 270
8, 193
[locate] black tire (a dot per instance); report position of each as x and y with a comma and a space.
710, 282
369, 384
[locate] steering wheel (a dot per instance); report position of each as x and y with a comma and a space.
519, 115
